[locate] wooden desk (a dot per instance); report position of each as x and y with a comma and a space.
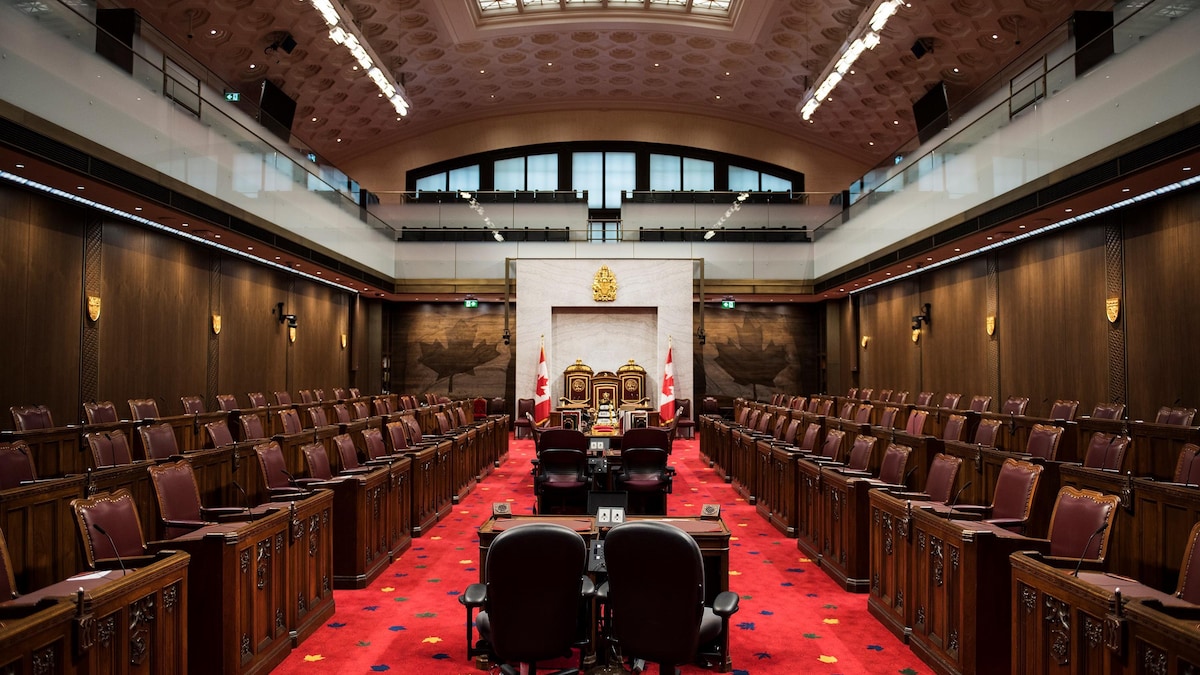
120, 623
1063, 623
1162, 641
944, 583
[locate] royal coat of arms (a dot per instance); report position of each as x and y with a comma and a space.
604, 285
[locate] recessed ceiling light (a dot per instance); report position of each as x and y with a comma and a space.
727, 73
1187, 168
249, 248
1068, 210
888, 274
80, 187
137, 208
870, 142
928, 259
217, 236
482, 72
314, 119
184, 224
339, 140
1021, 226
718, 97
212, 32
277, 257
958, 250
995, 37
20, 166
318, 271
956, 70
1124, 189
252, 66
549, 63
656, 65
895, 121
990, 238
841, 290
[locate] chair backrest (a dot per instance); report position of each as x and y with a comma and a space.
31, 417
8, 583
852, 393
257, 399
1175, 416
943, 471
899, 398
290, 421
373, 442
925, 398
832, 447
445, 425
809, 442
158, 440
1016, 487
1187, 469
865, 394
340, 393
887, 419
317, 460
660, 603
1015, 405
780, 426
825, 407
683, 409
1108, 411
109, 448
563, 439
252, 427
789, 434
560, 463
342, 413
847, 411
397, 435
219, 433
533, 609
986, 433
950, 401
954, 428
116, 514
524, 407
644, 464
316, 414
813, 403
100, 412
143, 408
885, 395
981, 403
1064, 410
362, 410
414, 429
177, 494
354, 392
347, 453
1077, 516
227, 402
891, 469
283, 398
16, 465
1043, 441
318, 395
798, 403
916, 423
860, 452
646, 437
1106, 451
862, 415
1189, 579
192, 405
381, 406
306, 396
273, 467
479, 407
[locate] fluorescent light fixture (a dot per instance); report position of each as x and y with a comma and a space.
497, 236
343, 31
867, 38
710, 234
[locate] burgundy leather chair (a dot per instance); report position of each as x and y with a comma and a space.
685, 422
885, 395
887, 419
317, 416
376, 449
340, 394
342, 413
950, 401
1015, 405
987, 432
257, 399
915, 426
656, 596
825, 407
1012, 500
116, 514
31, 417
158, 441
895, 459
143, 408
355, 393
16, 466
306, 396
846, 412
252, 427
925, 398
317, 461
100, 412
218, 433
1043, 441
192, 405
1188, 588
980, 403
1106, 451
227, 402
863, 414
954, 428
362, 410
865, 394
1075, 525
382, 408
8, 583
283, 398
479, 408
1108, 411
397, 436
1064, 410
1175, 416
831, 447
318, 395
860, 455
178, 499
533, 605
943, 472
109, 448
289, 421
1187, 469
808, 442
280, 482
899, 398
852, 393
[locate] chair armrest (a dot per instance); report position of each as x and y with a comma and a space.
1070, 563
911, 496
886, 486
861, 474
356, 471
1007, 523
976, 508
725, 604
602, 592
220, 511
474, 596
184, 523
302, 482
588, 587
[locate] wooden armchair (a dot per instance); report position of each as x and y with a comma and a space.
100, 412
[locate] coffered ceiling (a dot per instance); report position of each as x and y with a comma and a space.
459, 64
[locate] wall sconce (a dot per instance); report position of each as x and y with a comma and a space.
345, 339
507, 336
291, 332
277, 312
701, 336
922, 318
865, 339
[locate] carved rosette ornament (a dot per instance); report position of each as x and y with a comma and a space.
604, 285
1094, 631
1028, 599
1154, 660
1058, 616
887, 534
263, 559
937, 552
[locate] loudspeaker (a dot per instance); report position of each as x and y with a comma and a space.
501, 509
710, 511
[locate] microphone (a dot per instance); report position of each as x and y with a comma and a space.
1083, 554
1187, 476
245, 498
958, 494
96, 527
1104, 462
908, 475
292, 479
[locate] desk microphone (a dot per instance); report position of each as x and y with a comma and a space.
908, 475
245, 498
958, 494
1187, 476
96, 526
292, 479
1083, 554
1104, 462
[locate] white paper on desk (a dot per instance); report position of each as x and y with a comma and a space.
87, 576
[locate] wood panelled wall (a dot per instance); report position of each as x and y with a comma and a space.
1052, 338
154, 337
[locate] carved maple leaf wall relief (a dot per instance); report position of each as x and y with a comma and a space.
437, 346
750, 349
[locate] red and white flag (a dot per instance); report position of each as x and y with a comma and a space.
541, 392
666, 406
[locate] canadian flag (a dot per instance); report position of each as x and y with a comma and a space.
541, 392
666, 408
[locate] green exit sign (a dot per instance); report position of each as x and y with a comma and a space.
728, 304
470, 302
233, 96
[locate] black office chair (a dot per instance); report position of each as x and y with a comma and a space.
535, 603
561, 481
647, 478
655, 595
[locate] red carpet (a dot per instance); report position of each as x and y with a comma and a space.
793, 618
